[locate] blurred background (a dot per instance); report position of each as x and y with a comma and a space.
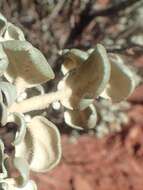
109, 157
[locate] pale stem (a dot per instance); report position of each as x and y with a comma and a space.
20, 85
36, 103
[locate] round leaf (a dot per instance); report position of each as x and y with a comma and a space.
121, 83
27, 65
88, 80
41, 146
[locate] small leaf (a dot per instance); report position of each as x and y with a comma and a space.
27, 64
41, 146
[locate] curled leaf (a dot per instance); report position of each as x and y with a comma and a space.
41, 146
121, 83
3, 60
13, 33
20, 121
73, 59
3, 169
28, 67
3, 114
85, 119
9, 92
3, 23
78, 85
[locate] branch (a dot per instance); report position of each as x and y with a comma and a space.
36, 103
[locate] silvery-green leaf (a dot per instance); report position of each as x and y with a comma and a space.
98, 61
3, 114
89, 79
73, 59
122, 82
23, 168
3, 23
3, 169
3, 60
85, 119
9, 92
41, 146
13, 33
20, 121
28, 67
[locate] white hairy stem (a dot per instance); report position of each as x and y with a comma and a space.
36, 103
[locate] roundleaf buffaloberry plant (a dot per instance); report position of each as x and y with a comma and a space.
32, 142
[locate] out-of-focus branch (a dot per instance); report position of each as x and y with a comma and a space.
55, 12
132, 50
86, 16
